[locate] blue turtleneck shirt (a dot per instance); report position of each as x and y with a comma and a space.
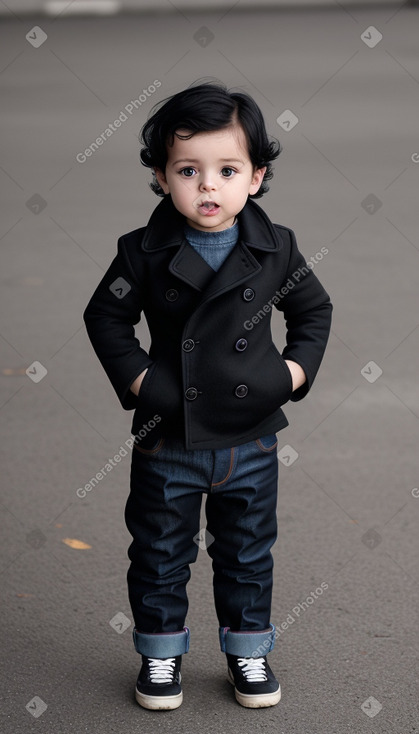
214, 247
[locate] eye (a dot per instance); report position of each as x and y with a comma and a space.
227, 172
188, 172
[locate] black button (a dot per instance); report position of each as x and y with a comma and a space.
188, 345
248, 294
241, 391
241, 345
191, 393
172, 294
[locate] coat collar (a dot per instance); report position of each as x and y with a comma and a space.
165, 229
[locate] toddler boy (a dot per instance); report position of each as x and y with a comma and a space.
206, 272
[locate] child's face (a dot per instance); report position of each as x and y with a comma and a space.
210, 167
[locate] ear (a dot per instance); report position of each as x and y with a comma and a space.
257, 180
161, 179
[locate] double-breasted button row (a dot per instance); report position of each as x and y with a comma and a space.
189, 344
240, 392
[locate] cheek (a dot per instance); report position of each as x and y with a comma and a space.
183, 188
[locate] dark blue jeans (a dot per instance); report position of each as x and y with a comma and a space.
163, 516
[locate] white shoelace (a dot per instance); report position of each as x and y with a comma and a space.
253, 669
161, 671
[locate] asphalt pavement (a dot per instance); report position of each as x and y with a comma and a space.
339, 88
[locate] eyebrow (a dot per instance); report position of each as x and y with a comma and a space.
194, 160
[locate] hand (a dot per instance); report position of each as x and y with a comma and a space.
136, 385
297, 373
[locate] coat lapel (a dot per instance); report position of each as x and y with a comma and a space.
239, 267
189, 266
165, 229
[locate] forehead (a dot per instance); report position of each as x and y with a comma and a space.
223, 144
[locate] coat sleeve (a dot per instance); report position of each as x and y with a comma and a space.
110, 316
308, 314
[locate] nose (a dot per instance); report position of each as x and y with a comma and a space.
207, 182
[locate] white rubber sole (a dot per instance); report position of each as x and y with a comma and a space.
158, 703
258, 701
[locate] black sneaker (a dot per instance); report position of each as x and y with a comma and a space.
158, 684
255, 684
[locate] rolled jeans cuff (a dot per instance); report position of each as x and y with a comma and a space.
247, 644
161, 644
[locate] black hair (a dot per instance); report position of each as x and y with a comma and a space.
202, 108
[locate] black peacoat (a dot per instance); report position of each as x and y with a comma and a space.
215, 378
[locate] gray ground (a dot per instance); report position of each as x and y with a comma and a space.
348, 509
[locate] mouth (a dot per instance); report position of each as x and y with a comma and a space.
208, 208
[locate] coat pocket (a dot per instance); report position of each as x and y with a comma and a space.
274, 387
269, 384
160, 394
284, 377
